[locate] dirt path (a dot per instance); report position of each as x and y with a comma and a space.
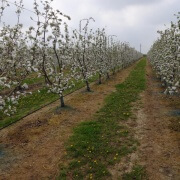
33, 147
160, 145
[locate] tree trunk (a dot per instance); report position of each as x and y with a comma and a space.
62, 101
113, 71
100, 82
107, 75
87, 86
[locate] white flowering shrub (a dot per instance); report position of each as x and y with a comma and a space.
165, 57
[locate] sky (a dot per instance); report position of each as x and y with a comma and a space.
133, 21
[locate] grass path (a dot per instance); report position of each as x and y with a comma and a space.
102, 142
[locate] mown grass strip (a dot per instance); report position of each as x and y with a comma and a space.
36, 100
101, 142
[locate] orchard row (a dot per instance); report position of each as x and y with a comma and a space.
165, 57
49, 49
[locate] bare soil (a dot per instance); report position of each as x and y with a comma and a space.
159, 151
33, 147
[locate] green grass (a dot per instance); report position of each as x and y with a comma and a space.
33, 102
30, 80
33, 80
103, 141
28, 104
